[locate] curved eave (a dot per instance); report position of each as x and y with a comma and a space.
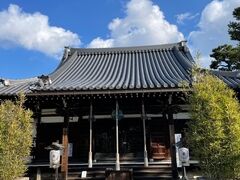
106, 92
122, 68
231, 78
109, 70
17, 86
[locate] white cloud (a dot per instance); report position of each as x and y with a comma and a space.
144, 24
33, 32
213, 30
185, 16
101, 43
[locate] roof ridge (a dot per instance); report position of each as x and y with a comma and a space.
129, 48
20, 80
10, 82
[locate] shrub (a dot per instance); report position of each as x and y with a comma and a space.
15, 138
214, 132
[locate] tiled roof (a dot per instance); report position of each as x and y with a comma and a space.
123, 69
12, 87
164, 66
230, 78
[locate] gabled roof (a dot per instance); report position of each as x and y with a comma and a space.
130, 68
147, 68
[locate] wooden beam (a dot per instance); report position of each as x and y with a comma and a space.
64, 166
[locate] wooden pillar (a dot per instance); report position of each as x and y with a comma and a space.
144, 135
64, 166
172, 139
90, 136
117, 139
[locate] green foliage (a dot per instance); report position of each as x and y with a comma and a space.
15, 138
227, 57
213, 134
234, 27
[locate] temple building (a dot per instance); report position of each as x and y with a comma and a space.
117, 108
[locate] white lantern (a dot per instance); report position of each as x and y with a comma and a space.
184, 155
54, 158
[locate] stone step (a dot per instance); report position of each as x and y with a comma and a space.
136, 167
153, 177
92, 178
139, 172
153, 171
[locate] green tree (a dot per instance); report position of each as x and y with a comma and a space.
15, 138
227, 57
234, 27
213, 134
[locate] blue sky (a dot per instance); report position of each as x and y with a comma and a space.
33, 34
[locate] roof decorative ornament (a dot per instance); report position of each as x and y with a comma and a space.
183, 46
42, 82
5, 82
67, 52
183, 43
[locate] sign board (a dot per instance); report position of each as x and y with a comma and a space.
84, 174
184, 156
54, 156
120, 114
70, 149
